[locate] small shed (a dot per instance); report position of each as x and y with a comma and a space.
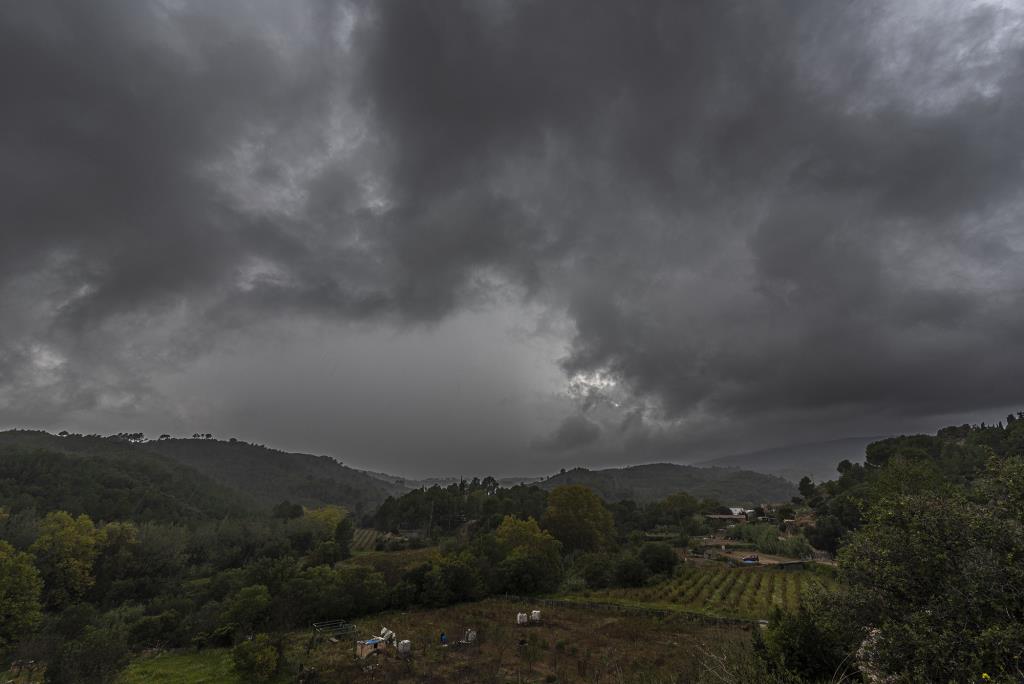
370, 647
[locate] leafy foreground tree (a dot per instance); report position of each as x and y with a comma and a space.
939, 578
932, 589
20, 589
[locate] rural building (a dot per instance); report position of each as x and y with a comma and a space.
727, 518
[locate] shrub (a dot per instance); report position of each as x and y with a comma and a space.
597, 569
659, 558
255, 659
249, 608
573, 584
630, 571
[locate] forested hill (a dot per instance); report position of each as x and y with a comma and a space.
269, 475
106, 480
645, 483
250, 475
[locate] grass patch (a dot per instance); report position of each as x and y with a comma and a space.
212, 666
393, 564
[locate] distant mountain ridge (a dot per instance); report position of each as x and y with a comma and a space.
650, 482
107, 480
817, 460
236, 473
270, 475
259, 476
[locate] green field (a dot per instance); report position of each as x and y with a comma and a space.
394, 564
183, 667
719, 590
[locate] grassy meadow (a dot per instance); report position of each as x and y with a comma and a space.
572, 645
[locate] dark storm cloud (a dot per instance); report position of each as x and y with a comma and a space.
750, 214
573, 432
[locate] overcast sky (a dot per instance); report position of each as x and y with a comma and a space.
507, 236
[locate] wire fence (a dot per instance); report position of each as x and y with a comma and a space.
625, 609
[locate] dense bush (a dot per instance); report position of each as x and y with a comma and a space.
660, 558
631, 571
255, 659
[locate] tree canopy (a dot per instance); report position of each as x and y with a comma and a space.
20, 591
577, 517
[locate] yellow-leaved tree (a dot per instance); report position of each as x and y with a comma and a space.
65, 552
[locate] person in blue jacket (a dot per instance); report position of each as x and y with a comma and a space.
444, 639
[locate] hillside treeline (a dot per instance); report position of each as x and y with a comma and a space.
255, 476
440, 510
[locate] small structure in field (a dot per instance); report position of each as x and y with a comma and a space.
723, 517
377, 645
531, 618
329, 630
468, 639
332, 629
369, 647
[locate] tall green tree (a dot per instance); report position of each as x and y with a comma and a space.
532, 559
577, 517
20, 591
65, 552
249, 609
343, 535
806, 487
116, 557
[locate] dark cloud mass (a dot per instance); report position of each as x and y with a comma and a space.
727, 223
573, 432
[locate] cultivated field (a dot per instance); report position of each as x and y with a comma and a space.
573, 645
365, 538
716, 589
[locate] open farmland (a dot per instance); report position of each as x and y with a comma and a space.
572, 645
748, 593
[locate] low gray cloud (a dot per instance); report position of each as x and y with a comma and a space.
572, 433
738, 223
